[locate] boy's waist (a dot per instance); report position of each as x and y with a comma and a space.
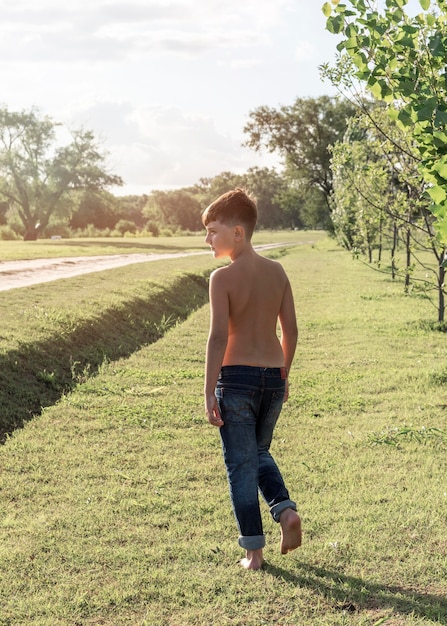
254, 370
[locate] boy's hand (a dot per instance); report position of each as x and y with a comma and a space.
212, 411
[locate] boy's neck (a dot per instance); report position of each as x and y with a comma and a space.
242, 251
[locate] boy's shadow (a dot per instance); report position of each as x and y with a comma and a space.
349, 593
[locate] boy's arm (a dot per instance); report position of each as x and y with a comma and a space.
216, 344
289, 327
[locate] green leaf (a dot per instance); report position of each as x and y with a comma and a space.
409, 29
426, 111
397, 16
439, 210
375, 88
407, 87
380, 89
352, 43
335, 24
359, 61
441, 168
393, 113
439, 139
437, 194
404, 118
440, 118
351, 30
365, 41
363, 75
425, 4
441, 229
436, 46
327, 9
391, 4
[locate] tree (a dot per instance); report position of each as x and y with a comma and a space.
402, 61
376, 182
131, 208
96, 209
264, 183
179, 209
267, 186
208, 189
301, 134
37, 175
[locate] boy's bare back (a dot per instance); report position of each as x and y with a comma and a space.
254, 292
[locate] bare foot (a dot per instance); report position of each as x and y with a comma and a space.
253, 560
290, 530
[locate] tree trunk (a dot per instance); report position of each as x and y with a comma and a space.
408, 264
30, 233
441, 294
379, 257
393, 251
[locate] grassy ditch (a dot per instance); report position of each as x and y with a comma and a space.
114, 503
56, 335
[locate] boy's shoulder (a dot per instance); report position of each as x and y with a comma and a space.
220, 276
256, 265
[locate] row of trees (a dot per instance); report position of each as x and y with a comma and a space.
390, 171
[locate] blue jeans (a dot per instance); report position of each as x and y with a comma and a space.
250, 401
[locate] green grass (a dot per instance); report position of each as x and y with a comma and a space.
114, 504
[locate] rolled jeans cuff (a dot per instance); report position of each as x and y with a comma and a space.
252, 542
277, 509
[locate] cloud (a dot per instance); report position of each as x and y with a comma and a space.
162, 146
111, 31
174, 146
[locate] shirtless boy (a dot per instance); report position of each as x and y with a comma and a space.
246, 370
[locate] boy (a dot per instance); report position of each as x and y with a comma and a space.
246, 370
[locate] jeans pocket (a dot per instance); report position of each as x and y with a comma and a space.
236, 404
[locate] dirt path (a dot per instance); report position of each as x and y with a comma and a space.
15, 274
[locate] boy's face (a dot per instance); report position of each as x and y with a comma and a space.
221, 238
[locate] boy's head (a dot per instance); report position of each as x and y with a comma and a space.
233, 208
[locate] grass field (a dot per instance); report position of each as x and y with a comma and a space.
47, 248
114, 503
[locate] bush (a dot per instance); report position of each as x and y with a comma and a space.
58, 230
153, 228
145, 233
92, 231
8, 234
126, 226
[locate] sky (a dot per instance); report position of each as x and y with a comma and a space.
166, 86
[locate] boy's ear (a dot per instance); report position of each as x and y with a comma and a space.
239, 232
